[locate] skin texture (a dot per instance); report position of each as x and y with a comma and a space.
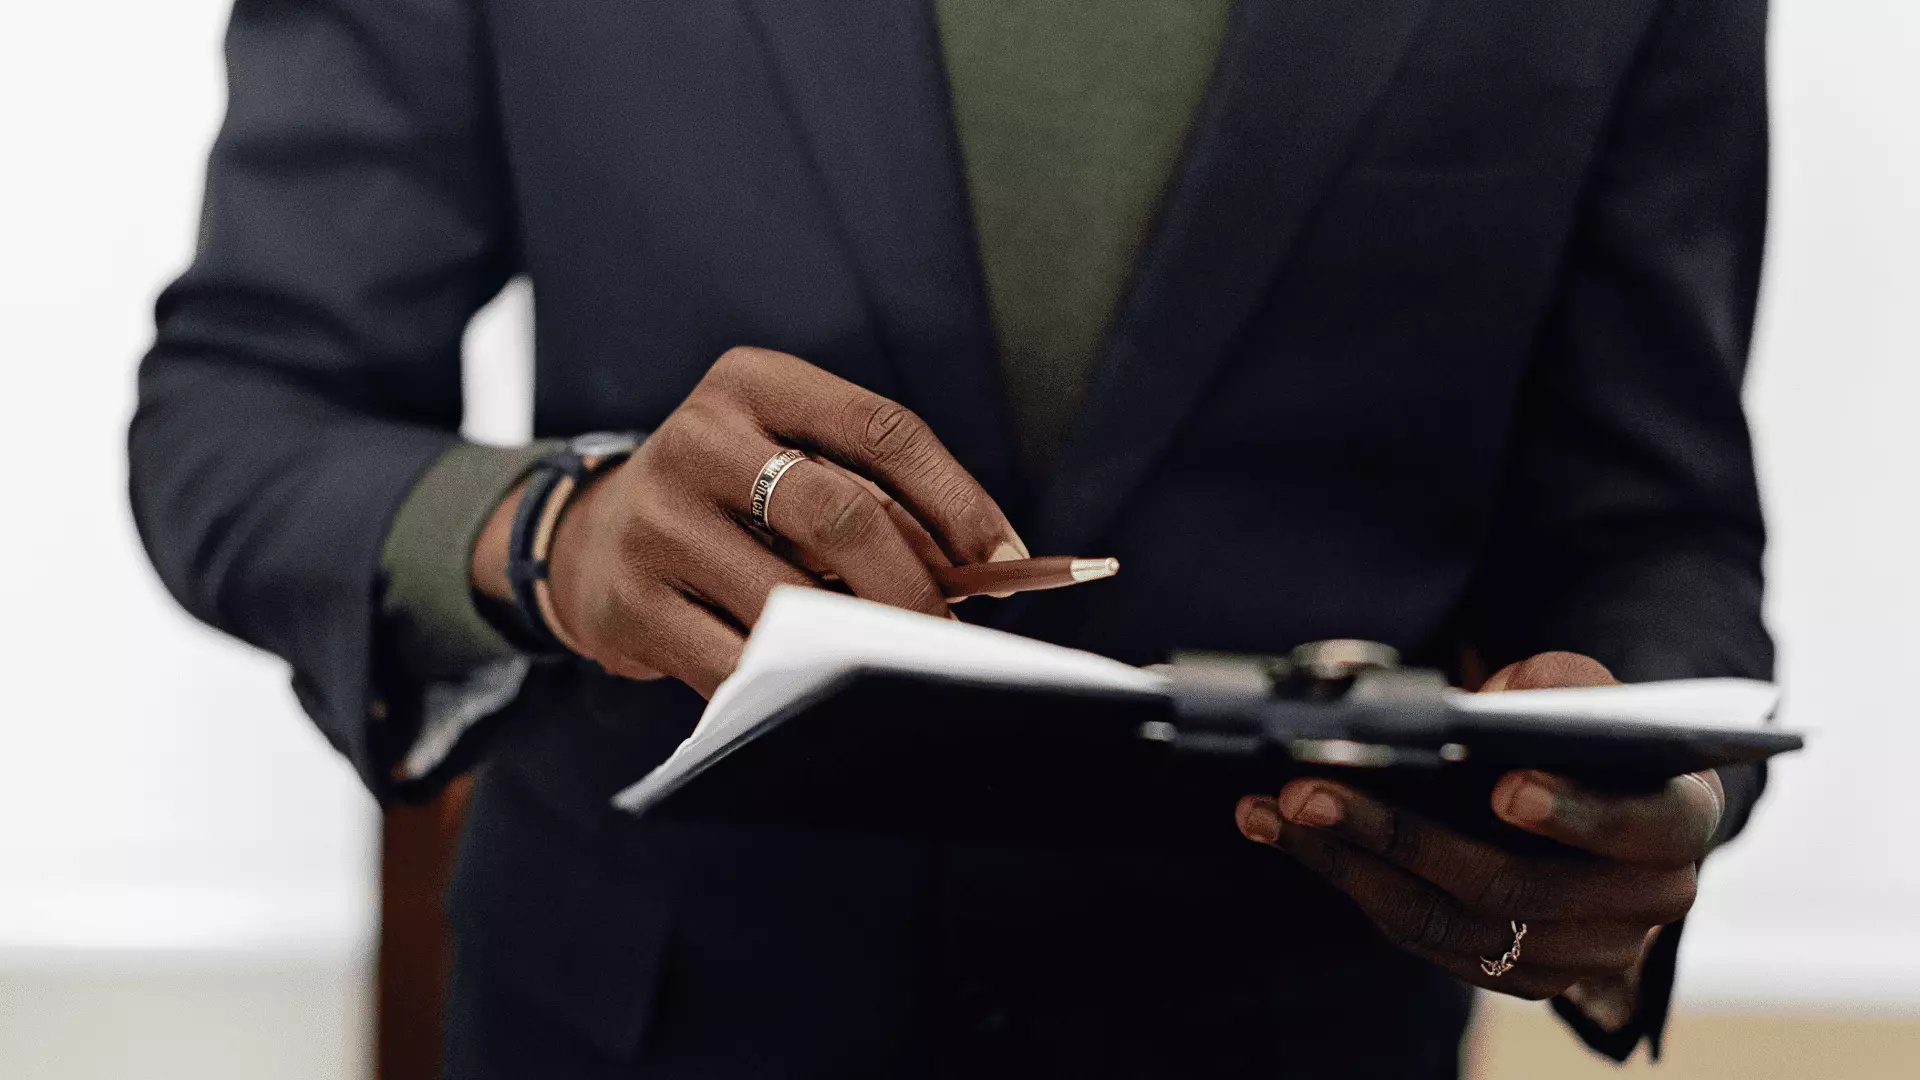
1590, 912
655, 571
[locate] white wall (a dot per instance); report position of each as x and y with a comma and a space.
161, 796
1822, 900
158, 789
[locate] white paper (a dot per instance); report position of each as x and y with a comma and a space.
1723, 704
809, 639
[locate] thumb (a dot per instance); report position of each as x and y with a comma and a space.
1549, 670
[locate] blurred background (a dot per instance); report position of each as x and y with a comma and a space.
189, 877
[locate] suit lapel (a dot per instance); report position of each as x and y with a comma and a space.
1294, 85
868, 91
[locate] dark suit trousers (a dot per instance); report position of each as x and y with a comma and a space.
818, 955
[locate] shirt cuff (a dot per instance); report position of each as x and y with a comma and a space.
1650, 1003
450, 713
438, 630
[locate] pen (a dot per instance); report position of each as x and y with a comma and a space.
990, 579
1021, 575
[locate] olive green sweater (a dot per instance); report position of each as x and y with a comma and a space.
1070, 115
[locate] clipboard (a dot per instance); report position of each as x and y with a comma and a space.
882, 750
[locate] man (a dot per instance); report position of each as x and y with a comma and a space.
1413, 320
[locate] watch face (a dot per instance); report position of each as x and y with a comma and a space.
602, 443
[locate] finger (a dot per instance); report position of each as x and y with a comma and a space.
831, 523
712, 454
839, 525
1417, 916
804, 406
733, 572
1675, 826
916, 534
1526, 980
1410, 912
1486, 877
1548, 670
1258, 819
684, 639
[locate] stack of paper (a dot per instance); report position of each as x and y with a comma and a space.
810, 641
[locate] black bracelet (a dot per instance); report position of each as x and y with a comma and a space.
554, 481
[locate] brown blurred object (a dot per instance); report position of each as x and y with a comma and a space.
416, 856
1514, 1040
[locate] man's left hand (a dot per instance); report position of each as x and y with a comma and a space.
1589, 912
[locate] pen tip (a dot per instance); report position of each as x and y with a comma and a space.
1094, 569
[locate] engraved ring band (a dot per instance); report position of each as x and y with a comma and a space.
763, 485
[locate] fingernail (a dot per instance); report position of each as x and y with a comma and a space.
1313, 807
1261, 825
1529, 802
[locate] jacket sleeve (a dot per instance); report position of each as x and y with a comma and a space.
1631, 526
306, 367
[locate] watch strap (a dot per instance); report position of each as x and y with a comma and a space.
551, 485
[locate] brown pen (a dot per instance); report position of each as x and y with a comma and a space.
1021, 575
958, 583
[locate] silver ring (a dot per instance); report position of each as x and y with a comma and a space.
770, 474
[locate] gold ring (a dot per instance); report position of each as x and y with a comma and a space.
1497, 968
770, 474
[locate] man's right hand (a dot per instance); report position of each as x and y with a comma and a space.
654, 570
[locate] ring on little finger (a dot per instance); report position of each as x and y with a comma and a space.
1497, 968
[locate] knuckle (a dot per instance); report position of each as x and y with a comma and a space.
1324, 859
1404, 843
889, 433
1333, 862
694, 415
1506, 889
736, 371
1433, 927
734, 362
725, 373
1418, 926
845, 517
958, 499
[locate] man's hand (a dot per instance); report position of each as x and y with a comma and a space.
654, 569
1589, 912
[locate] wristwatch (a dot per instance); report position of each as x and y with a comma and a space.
551, 485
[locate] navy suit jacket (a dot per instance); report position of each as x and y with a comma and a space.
1438, 337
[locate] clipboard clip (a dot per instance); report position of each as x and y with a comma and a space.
1319, 687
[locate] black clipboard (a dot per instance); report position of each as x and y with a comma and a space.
886, 752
